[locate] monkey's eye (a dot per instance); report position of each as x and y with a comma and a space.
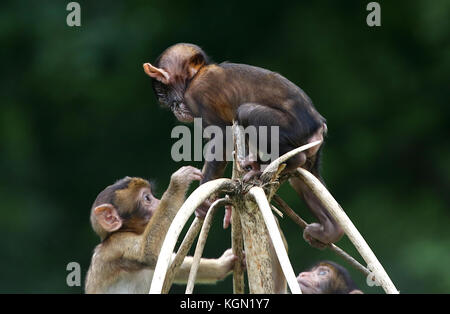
147, 197
248, 168
323, 272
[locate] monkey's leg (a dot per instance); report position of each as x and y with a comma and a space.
211, 170
327, 230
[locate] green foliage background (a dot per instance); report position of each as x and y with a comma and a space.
77, 113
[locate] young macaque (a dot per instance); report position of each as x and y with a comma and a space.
132, 224
327, 278
191, 86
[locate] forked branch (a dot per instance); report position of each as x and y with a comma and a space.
272, 169
202, 241
349, 228
184, 248
272, 227
299, 221
193, 201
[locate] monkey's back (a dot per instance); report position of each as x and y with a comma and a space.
222, 88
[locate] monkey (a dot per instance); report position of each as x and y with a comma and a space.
132, 223
327, 277
191, 86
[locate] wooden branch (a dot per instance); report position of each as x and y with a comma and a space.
299, 221
184, 248
272, 170
261, 199
239, 148
237, 244
277, 211
237, 241
202, 241
349, 228
257, 246
193, 201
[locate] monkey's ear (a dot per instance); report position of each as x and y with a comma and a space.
108, 217
156, 73
356, 291
195, 63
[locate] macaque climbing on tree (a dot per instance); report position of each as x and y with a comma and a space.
191, 86
327, 278
132, 224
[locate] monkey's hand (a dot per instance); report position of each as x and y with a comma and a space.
184, 176
226, 264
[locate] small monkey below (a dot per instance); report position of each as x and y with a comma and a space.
327, 278
132, 224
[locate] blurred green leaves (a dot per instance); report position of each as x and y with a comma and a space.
77, 113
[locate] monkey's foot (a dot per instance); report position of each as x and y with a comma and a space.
202, 210
227, 216
314, 235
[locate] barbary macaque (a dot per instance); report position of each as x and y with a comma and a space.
327, 278
132, 224
189, 84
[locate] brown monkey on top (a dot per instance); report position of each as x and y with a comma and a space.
327, 278
132, 224
191, 86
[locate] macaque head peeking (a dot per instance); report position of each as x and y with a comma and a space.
327, 278
172, 72
127, 204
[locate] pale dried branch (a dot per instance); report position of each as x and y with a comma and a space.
273, 169
349, 228
261, 199
237, 241
277, 211
239, 144
299, 221
184, 248
237, 244
202, 241
258, 256
193, 201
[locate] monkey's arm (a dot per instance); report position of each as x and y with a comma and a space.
209, 270
214, 168
171, 201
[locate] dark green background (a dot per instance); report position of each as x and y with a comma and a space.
77, 113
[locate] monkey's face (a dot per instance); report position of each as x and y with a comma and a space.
316, 280
137, 213
127, 205
173, 71
172, 96
146, 204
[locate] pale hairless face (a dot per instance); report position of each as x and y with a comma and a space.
147, 203
316, 280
